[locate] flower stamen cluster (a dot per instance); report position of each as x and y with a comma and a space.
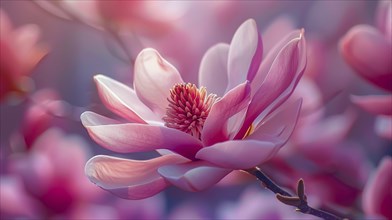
188, 108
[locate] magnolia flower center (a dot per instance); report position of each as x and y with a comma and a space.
188, 108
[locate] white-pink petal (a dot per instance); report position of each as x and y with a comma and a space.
193, 176
131, 179
238, 154
134, 137
213, 69
279, 124
153, 79
245, 54
123, 100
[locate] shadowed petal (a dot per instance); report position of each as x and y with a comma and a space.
376, 104
377, 195
213, 69
280, 82
193, 176
153, 79
245, 54
130, 179
215, 127
369, 53
271, 56
128, 138
280, 124
122, 100
238, 154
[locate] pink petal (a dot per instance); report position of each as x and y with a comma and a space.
383, 126
193, 176
377, 195
271, 57
280, 82
128, 138
245, 54
216, 125
369, 53
123, 100
279, 124
238, 154
376, 104
213, 69
153, 79
130, 179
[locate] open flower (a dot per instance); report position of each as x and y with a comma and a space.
368, 50
44, 183
204, 135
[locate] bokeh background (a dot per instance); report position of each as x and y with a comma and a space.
44, 146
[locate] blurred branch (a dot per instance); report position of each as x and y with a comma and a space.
109, 29
299, 201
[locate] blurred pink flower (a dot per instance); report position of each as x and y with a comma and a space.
369, 51
319, 153
377, 195
49, 178
203, 137
143, 17
19, 54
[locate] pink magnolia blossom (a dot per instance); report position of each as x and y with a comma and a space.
368, 50
377, 195
201, 136
52, 176
19, 54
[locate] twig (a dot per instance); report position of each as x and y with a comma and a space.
299, 201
